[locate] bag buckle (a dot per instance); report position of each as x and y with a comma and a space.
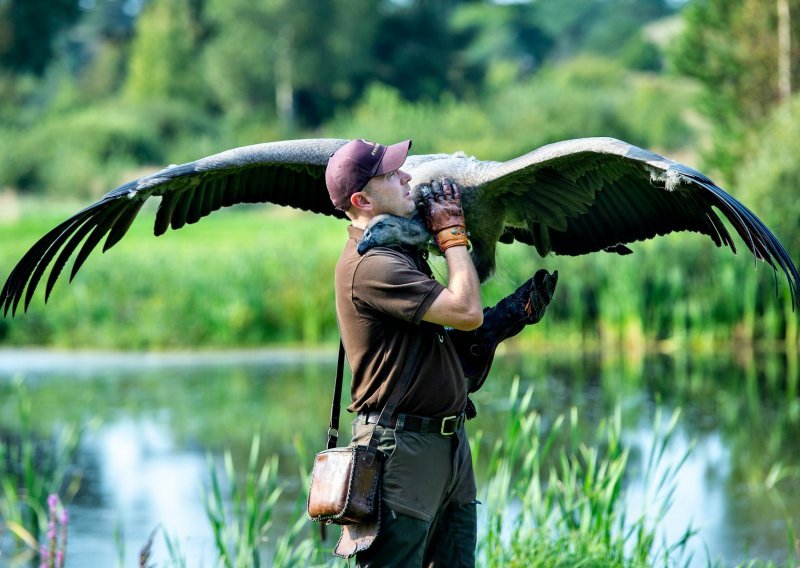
445, 420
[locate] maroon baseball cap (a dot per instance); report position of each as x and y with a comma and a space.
352, 166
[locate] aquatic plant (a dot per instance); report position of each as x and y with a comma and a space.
544, 507
33, 472
240, 522
53, 550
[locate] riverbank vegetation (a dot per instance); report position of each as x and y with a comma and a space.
556, 490
262, 276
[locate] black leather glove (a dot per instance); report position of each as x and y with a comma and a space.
525, 306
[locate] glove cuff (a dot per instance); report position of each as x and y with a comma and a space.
455, 236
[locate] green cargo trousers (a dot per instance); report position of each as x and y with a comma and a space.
428, 504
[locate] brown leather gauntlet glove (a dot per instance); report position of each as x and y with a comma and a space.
441, 209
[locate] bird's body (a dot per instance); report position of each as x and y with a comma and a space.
569, 198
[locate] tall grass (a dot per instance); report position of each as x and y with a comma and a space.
241, 514
238, 533
34, 469
556, 494
257, 276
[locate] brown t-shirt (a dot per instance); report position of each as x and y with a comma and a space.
380, 300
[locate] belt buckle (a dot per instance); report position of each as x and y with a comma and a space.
444, 421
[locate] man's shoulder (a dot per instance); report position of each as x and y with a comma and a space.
378, 255
374, 263
388, 253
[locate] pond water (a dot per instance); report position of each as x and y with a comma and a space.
151, 420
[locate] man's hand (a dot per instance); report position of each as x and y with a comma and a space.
441, 209
458, 306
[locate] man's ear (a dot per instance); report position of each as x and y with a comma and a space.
360, 200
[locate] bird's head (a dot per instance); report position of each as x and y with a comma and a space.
371, 235
386, 230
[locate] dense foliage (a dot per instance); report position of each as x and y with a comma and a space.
117, 88
117, 84
734, 50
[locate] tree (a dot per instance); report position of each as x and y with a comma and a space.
162, 61
497, 45
731, 47
600, 26
295, 59
414, 47
28, 29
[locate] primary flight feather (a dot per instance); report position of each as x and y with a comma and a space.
569, 198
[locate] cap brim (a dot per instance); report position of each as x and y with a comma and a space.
394, 157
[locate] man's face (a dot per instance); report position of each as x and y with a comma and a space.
390, 193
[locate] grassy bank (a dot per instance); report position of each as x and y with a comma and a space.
248, 277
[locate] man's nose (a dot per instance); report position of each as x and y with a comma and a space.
405, 176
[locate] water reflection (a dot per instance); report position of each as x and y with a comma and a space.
159, 414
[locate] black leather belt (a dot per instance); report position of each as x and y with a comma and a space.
446, 426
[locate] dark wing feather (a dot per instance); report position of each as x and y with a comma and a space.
592, 194
287, 173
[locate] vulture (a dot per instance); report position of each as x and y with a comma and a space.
567, 198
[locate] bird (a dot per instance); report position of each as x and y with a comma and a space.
572, 197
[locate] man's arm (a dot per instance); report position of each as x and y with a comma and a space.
459, 305
524, 307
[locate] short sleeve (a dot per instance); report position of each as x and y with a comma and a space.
389, 283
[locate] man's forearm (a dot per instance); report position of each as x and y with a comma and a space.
459, 304
463, 283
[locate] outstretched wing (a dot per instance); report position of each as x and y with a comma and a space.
288, 173
586, 195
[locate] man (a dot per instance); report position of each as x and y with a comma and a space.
386, 300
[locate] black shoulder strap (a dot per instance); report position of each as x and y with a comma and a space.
333, 427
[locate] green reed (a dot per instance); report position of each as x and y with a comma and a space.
555, 494
34, 469
240, 510
256, 276
239, 530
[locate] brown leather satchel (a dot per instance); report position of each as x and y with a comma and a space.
345, 482
344, 487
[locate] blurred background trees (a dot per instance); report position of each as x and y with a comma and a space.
91, 90
96, 92
733, 49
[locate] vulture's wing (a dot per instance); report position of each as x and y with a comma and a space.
592, 194
285, 173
